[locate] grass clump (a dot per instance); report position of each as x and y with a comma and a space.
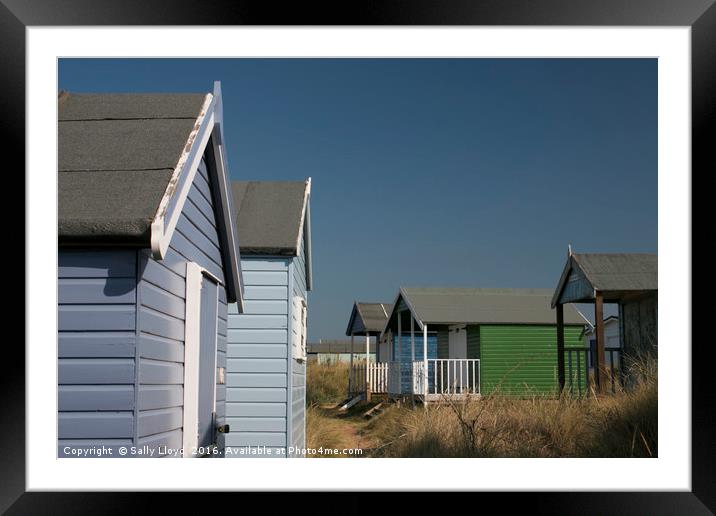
620, 425
496, 425
322, 430
326, 382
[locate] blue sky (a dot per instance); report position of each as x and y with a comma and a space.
432, 172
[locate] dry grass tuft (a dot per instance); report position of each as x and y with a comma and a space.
324, 431
623, 425
326, 383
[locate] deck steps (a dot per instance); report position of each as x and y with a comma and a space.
345, 405
374, 411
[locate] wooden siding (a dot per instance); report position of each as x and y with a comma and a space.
162, 312
576, 288
258, 360
640, 323
522, 359
96, 348
443, 348
473, 341
297, 407
266, 386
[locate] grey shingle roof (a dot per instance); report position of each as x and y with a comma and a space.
620, 272
269, 215
485, 306
370, 317
116, 155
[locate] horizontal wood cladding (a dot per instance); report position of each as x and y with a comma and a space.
269, 292
79, 344
257, 336
257, 365
83, 371
256, 351
96, 346
96, 317
100, 425
242, 409
96, 291
263, 307
257, 424
95, 397
251, 438
252, 321
93, 263
157, 421
162, 301
160, 396
521, 359
255, 379
257, 394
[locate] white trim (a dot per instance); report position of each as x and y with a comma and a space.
192, 338
299, 328
400, 295
216, 347
304, 233
182, 178
589, 323
306, 194
192, 344
224, 184
412, 309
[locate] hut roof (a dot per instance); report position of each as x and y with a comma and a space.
484, 306
368, 317
117, 154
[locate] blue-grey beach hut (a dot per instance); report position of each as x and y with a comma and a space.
266, 353
148, 260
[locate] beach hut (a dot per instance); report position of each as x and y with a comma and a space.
148, 259
368, 320
628, 279
486, 340
266, 366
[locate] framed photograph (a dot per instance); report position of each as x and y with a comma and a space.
425, 237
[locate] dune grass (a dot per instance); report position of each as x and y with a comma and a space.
322, 430
326, 383
620, 425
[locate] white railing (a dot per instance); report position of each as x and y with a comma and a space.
377, 375
449, 376
454, 376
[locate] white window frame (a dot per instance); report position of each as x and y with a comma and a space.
192, 342
301, 320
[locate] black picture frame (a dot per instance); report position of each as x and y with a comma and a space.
700, 15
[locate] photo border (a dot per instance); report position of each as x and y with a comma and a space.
700, 15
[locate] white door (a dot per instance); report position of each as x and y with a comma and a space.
457, 349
